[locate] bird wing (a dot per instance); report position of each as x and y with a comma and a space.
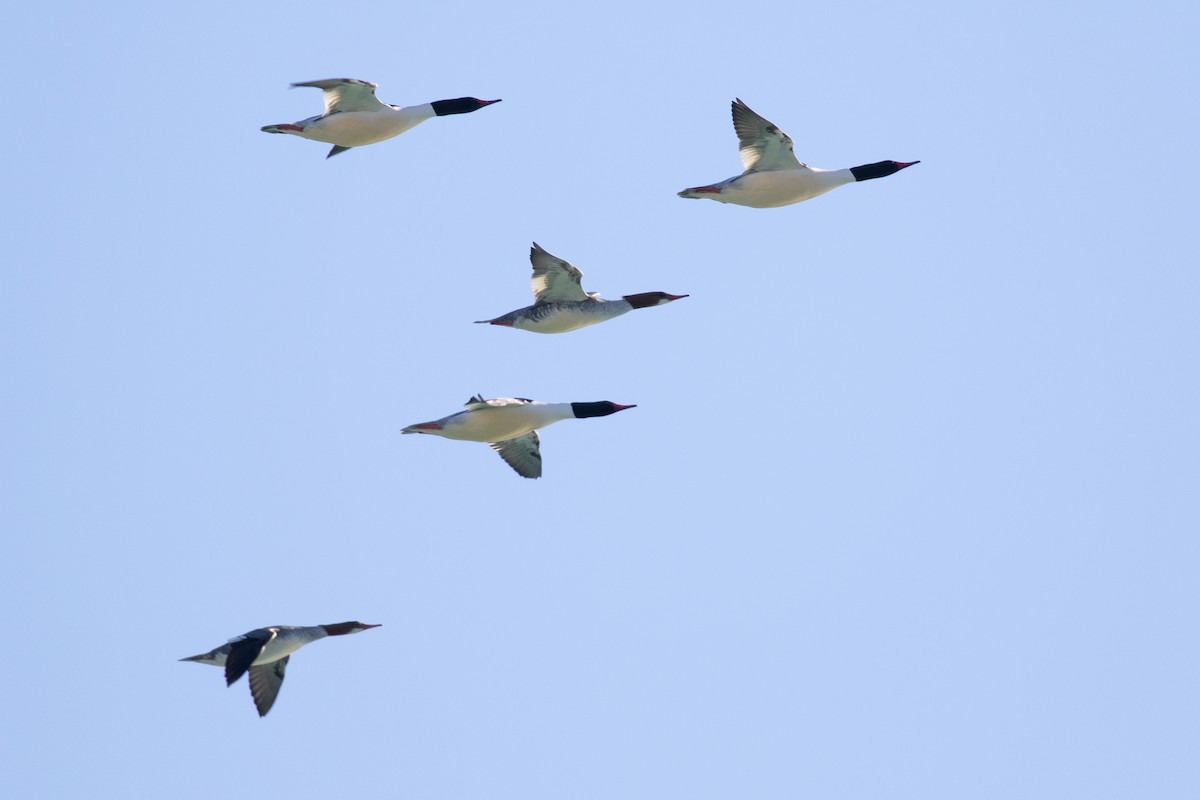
478, 402
243, 650
764, 147
555, 280
265, 680
522, 454
346, 94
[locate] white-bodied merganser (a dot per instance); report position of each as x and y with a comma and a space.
264, 652
354, 116
561, 303
510, 424
773, 176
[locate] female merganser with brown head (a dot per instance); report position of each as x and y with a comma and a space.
562, 305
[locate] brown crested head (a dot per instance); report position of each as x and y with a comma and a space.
342, 628
647, 299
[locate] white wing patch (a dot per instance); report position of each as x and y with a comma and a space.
478, 402
346, 94
555, 280
522, 454
764, 148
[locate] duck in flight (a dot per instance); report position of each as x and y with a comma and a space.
774, 176
264, 653
561, 304
354, 116
510, 425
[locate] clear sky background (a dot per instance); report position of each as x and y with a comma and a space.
908, 505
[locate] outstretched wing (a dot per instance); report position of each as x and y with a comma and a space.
764, 147
346, 94
243, 651
522, 454
555, 280
265, 680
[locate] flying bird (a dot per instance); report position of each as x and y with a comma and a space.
510, 425
264, 653
561, 304
774, 177
354, 116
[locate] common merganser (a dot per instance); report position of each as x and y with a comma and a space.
354, 116
264, 652
510, 424
773, 176
561, 303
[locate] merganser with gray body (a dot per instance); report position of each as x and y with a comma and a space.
774, 176
510, 425
354, 116
264, 653
561, 303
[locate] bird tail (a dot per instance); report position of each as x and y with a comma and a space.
698, 192
423, 427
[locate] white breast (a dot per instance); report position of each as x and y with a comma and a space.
506, 422
356, 128
782, 187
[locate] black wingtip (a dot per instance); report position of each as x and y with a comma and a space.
337, 148
233, 675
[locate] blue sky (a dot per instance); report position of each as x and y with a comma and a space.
907, 507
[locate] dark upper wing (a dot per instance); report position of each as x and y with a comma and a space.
522, 454
265, 680
243, 651
763, 146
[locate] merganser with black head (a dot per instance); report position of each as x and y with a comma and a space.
264, 653
510, 425
774, 177
354, 116
562, 305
